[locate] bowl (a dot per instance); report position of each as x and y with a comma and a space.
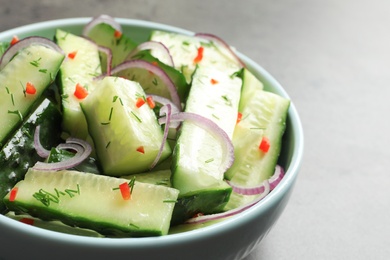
233, 238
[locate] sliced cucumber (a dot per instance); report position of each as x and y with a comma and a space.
197, 156
148, 82
35, 64
81, 69
19, 153
264, 115
95, 202
104, 35
184, 49
127, 138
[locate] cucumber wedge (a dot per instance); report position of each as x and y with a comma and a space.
95, 202
36, 65
81, 69
184, 49
127, 138
197, 156
104, 34
264, 115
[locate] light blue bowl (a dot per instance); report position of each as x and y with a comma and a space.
233, 238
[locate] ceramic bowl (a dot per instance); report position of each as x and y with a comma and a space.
233, 238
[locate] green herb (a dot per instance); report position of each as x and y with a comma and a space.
169, 201
111, 110
108, 144
16, 112
209, 160
227, 100
45, 197
35, 63
12, 99
131, 185
72, 192
137, 117
155, 82
133, 225
43, 70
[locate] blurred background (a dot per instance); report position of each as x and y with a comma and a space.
333, 58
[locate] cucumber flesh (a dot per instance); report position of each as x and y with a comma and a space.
197, 156
264, 115
184, 49
119, 128
35, 64
93, 201
82, 69
104, 35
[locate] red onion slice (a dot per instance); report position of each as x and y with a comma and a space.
276, 177
141, 64
167, 111
204, 218
219, 41
212, 128
82, 148
41, 151
98, 20
15, 48
156, 46
273, 181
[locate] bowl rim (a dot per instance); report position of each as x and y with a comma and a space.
187, 236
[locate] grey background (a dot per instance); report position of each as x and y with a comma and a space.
333, 58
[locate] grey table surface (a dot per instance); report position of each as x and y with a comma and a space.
333, 58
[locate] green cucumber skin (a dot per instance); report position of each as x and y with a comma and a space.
209, 201
19, 154
96, 203
36, 64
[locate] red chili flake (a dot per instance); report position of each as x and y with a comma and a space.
14, 40
117, 34
151, 102
12, 195
72, 55
80, 92
140, 102
155, 63
125, 191
199, 56
264, 144
28, 221
214, 81
141, 149
239, 117
30, 88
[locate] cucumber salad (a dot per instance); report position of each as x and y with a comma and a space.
105, 136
